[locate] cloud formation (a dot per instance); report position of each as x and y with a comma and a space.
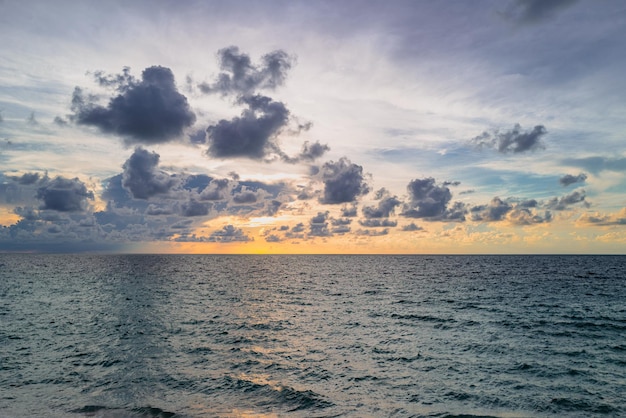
64, 195
385, 207
344, 182
251, 135
514, 140
319, 225
240, 77
563, 203
142, 178
495, 211
570, 179
597, 164
429, 201
597, 219
229, 233
194, 208
146, 111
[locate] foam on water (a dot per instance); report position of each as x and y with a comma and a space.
204, 336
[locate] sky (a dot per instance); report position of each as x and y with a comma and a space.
406, 127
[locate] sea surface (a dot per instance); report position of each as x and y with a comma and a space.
312, 336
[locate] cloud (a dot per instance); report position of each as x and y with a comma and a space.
385, 207
272, 238
59, 121
253, 134
240, 77
26, 178
149, 111
372, 233
142, 177
533, 11
523, 217
343, 182
349, 211
194, 208
569, 179
597, 164
64, 195
495, 211
216, 190
245, 197
412, 227
515, 211
514, 141
311, 152
340, 225
157, 210
429, 201
597, 219
319, 225
378, 223
229, 234
563, 203
272, 206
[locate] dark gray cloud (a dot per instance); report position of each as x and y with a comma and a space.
385, 207
27, 178
618, 219
245, 197
349, 211
597, 164
64, 195
218, 189
570, 179
253, 134
429, 201
523, 217
194, 208
272, 206
311, 152
340, 221
146, 111
469, 191
157, 210
518, 212
514, 141
412, 227
344, 182
528, 203
143, 178
229, 234
59, 121
198, 137
319, 225
563, 203
272, 238
533, 11
372, 233
240, 77
378, 223
296, 232
495, 211
340, 225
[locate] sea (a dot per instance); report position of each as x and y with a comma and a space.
312, 336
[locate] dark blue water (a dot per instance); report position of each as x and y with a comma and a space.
312, 336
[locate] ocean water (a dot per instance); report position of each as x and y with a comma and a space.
312, 336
